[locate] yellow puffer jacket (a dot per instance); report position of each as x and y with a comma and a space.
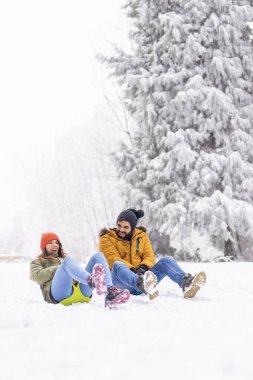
133, 253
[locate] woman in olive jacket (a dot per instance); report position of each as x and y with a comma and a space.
63, 280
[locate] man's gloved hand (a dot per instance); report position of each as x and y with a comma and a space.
133, 270
142, 269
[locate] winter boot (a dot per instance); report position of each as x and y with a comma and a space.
116, 296
191, 284
147, 284
97, 279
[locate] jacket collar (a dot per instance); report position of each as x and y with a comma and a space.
112, 232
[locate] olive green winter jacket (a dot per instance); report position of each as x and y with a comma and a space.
42, 271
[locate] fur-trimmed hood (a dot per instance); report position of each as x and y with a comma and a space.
105, 230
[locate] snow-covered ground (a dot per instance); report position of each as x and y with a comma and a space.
209, 337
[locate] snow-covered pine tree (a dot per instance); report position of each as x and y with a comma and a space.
188, 86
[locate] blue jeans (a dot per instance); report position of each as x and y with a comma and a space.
69, 269
124, 278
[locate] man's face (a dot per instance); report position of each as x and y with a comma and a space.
123, 228
52, 247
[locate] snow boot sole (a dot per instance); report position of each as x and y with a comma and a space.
198, 281
150, 282
121, 298
98, 276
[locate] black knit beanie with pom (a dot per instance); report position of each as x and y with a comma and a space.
131, 215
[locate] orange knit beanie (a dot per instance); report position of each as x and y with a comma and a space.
46, 237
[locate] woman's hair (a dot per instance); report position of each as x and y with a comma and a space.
61, 253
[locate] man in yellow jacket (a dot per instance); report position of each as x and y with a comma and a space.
132, 261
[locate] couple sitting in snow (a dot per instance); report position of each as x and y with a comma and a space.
125, 265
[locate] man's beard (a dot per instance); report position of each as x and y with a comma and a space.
121, 234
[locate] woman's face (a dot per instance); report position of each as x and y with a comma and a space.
52, 247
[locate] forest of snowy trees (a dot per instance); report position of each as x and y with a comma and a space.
187, 84
179, 125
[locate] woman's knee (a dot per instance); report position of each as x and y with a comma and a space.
99, 255
67, 260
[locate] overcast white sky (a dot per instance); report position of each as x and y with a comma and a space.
47, 76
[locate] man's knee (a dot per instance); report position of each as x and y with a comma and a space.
118, 265
167, 260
